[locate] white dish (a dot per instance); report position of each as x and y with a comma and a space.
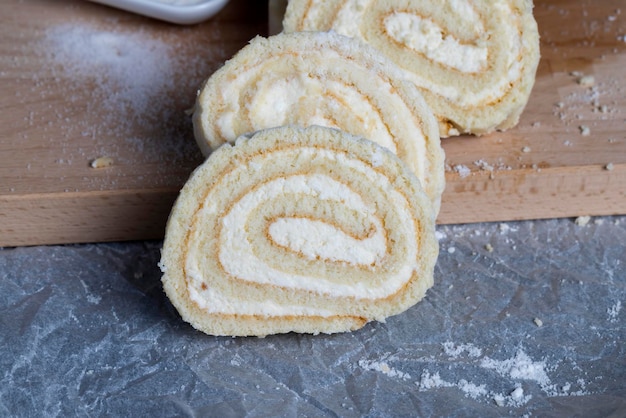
183, 12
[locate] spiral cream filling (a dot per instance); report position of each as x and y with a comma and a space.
312, 239
473, 60
276, 98
316, 239
322, 79
427, 37
298, 229
421, 34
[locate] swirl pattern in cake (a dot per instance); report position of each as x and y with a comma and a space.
321, 79
474, 60
298, 229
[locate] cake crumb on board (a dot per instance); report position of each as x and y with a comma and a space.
101, 162
462, 170
582, 220
586, 81
584, 130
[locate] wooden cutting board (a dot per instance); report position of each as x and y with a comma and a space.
80, 81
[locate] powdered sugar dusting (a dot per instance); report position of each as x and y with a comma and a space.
614, 311
472, 390
430, 380
520, 367
520, 373
131, 85
131, 67
383, 367
454, 351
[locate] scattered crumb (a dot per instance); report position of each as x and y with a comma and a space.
587, 81
584, 130
451, 250
568, 143
101, 162
462, 170
526, 149
536, 124
489, 248
517, 394
560, 105
609, 167
582, 220
484, 165
538, 322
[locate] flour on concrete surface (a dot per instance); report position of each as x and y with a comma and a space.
614, 311
383, 367
520, 372
455, 350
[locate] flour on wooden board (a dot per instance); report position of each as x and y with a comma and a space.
135, 87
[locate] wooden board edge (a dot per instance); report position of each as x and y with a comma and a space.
99, 216
121, 215
527, 194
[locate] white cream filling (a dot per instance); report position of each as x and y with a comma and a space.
317, 239
213, 301
469, 58
237, 257
426, 37
236, 246
300, 98
348, 19
277, 96
303, 100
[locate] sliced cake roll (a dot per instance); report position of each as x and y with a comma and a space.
309, 230
321, 79
474, 60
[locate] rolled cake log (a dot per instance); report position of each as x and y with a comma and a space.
309, 230
474, 60
321, 79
